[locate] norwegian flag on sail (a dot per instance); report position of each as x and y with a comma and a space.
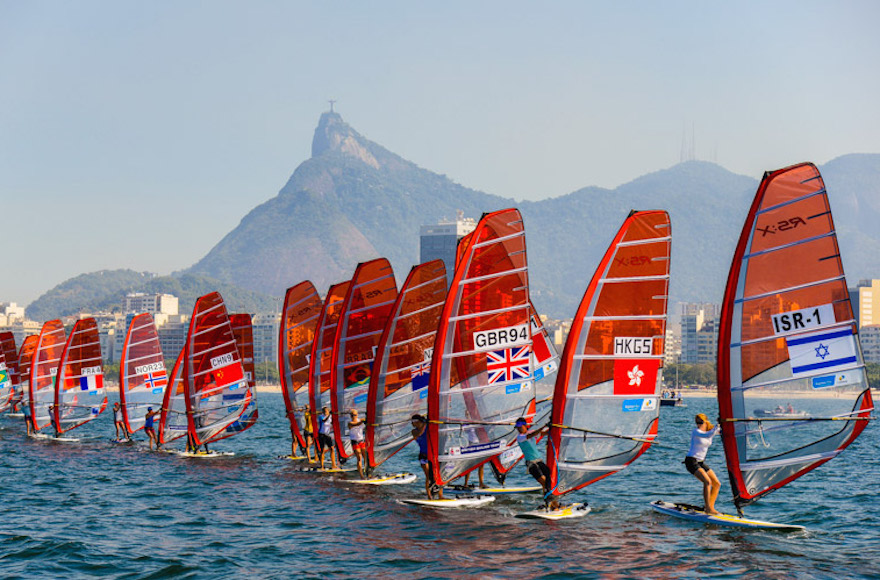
155, 380
510, 364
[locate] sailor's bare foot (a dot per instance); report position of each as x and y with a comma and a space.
713, 512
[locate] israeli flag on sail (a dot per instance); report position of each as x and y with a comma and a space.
820, 352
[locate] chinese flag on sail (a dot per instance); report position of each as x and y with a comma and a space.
229, 374
635, 376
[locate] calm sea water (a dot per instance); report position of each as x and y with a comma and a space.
102, 510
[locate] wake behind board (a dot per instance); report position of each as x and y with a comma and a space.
15, 414
393, 479
696, 514
575, 510
461, 501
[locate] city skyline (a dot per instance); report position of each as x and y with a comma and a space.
179, 119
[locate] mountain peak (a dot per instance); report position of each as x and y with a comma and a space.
334, 134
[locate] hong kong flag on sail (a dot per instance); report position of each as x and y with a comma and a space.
635, 376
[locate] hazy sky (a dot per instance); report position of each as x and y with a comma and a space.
137, 134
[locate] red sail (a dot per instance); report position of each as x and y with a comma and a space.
402, 368
787, 336
322, 352
173, 422
142, 374
80, 395
243, 330
481, 372
365, 311
606, 402
47, 355
10, 354
217, 392
6, 390
25, 360
299, 323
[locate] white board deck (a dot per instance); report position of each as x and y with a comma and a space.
293, 457
575, 510
47, 437
203, 455
15, 415
461, 501
318, 469
695, 514
393, 479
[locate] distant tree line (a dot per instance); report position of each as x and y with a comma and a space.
704, 375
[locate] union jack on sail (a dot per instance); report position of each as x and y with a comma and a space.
510, 364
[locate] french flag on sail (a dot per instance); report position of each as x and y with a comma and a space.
821, 352
91, 382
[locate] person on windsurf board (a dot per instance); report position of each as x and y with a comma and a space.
356, 429
420, 435
149, 418
26, 411
537, 468
325, 436
701, 439
119, 423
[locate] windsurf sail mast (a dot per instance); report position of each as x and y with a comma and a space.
243, 330
606, 401
25, 361
365, 311
402, 368
173, 419
10, 357
80, 395
787, 331
217, 392
47, 354
299, 323
142, 374
481, 373
322, 352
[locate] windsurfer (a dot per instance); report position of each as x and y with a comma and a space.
305, 425
537, 468
420, 434
325, 436
701, 439
356, 435
474, 439
308, 436
26, 410
119, 423
479, 476
148, 427
53, 420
